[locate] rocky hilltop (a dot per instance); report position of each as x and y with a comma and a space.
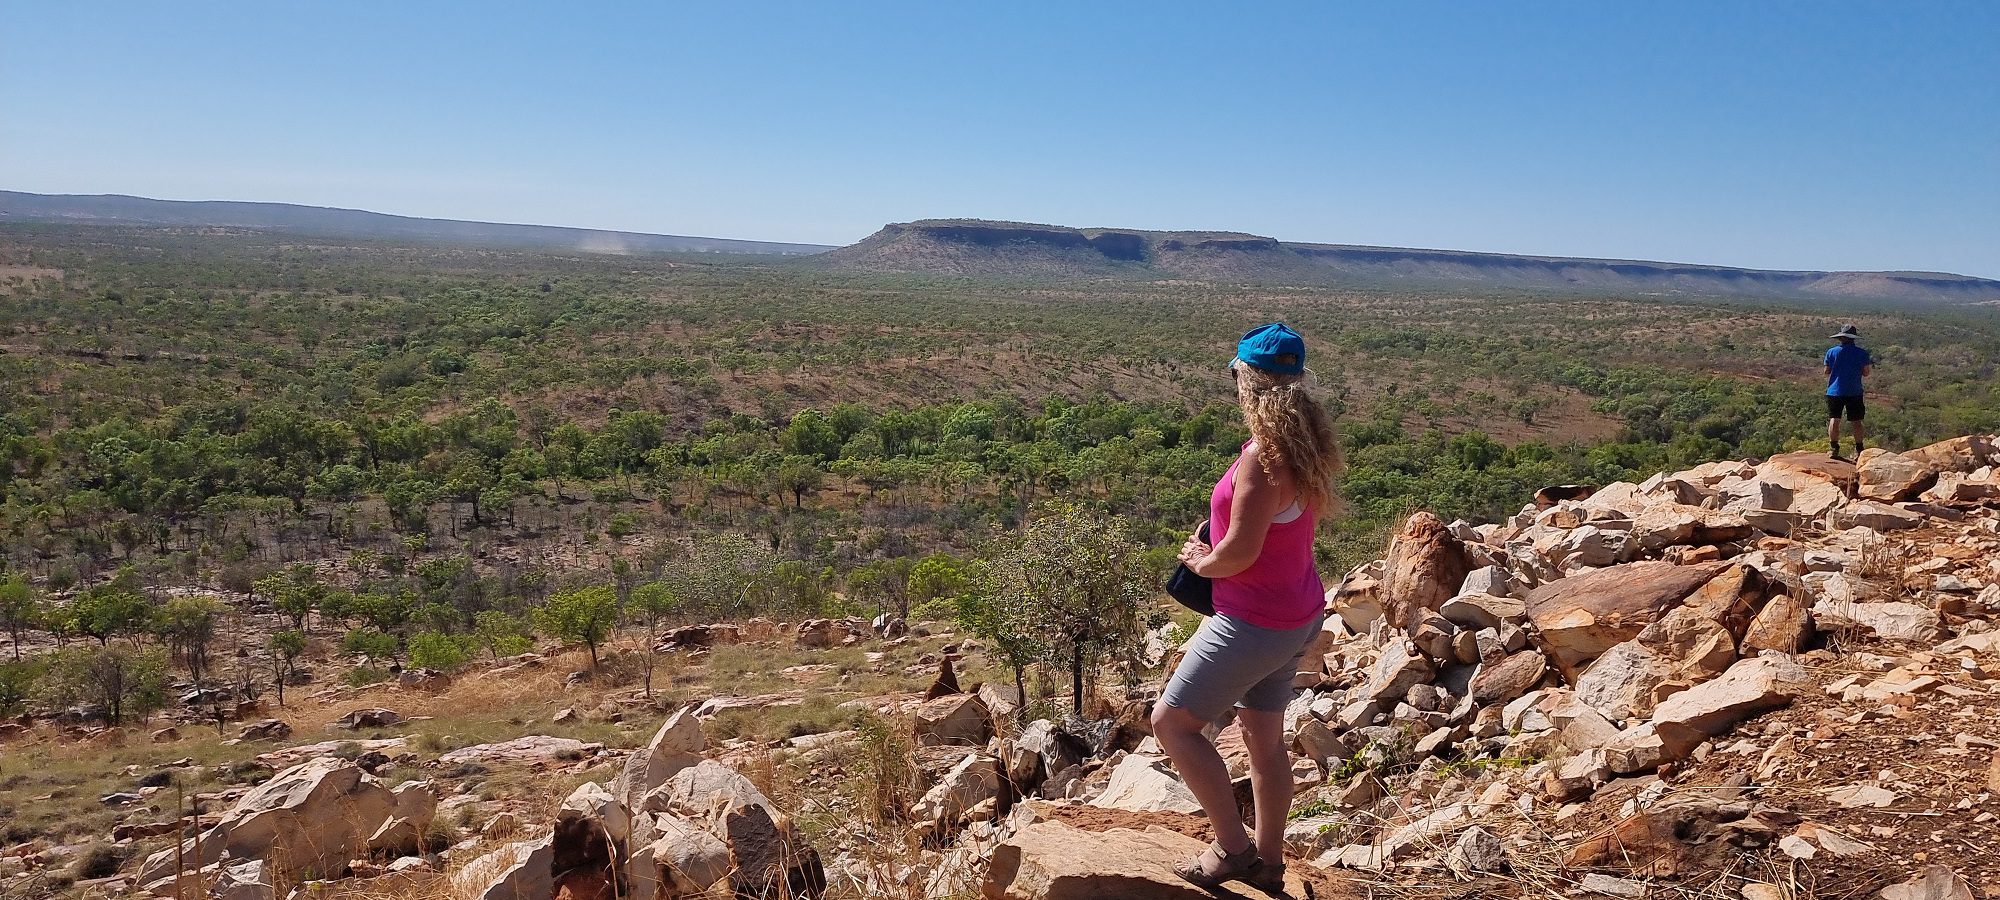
969, 247
1751, 679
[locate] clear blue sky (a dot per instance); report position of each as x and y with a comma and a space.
1788, 135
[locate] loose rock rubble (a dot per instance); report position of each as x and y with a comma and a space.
1622, 689
1767, 679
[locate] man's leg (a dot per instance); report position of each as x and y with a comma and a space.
1833, 435
1202, 770
1270, 778
1860, 434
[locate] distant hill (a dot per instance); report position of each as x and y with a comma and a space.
118, 209
1013, 249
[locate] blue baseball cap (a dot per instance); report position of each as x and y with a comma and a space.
1273, 348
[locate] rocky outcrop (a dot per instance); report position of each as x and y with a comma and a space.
1424, 568
309, 819
677, 745
1580, 617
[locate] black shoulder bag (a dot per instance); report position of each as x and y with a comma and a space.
1191, 590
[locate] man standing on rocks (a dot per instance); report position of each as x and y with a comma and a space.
1846, 364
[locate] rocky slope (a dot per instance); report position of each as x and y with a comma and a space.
1011, 249
1758, 680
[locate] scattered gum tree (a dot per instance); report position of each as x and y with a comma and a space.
500, 634
992, 614
652, 603
20, 609
285, 647
583, 615
187, 625
110, 609
295, 592
120, 679
437, 650
1074, 583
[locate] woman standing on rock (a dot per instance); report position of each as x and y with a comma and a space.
1268, 605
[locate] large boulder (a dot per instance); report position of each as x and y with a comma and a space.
523, 870
1505, 678
1625, 682
1357, 599
1889, 476
1838, 472
684, 860
955, 719
368, 718
767, 856
1751, 686
402, 834
1400, 667
975, 779
1424, 568
311, 818
1960, 454
1874, 516
1782, 625
1579, 618
1143, 783
1056, 861
677, 745
1664, 525
1039, 752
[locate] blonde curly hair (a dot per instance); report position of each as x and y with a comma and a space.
1292, 430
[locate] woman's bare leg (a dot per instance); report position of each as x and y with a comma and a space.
1202, 770
1270, 778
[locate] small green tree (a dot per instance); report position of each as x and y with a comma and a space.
285, 647
107, 610
122, 680
17, 684
20, 609
1078, 582
583, 615
295, 592
652, 603
1007, 627
500, 634
375, 645
187, 626
437, 650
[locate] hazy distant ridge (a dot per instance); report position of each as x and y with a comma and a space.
1015, 249
118, 209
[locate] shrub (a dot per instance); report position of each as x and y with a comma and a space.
437, 650
375, 645
362, 676
96, 861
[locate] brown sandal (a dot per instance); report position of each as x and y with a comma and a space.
1229, 866
1268, 877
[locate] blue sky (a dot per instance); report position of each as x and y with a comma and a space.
1774, 134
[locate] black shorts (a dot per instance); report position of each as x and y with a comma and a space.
1856, 409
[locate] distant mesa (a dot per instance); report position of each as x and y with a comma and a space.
976, 248
118, 209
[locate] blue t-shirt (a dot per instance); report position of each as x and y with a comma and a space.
1844, 364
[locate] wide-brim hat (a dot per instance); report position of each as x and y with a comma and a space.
1847, 331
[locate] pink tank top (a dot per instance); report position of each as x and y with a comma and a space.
1281, 589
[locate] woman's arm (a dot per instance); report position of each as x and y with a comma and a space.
1258, 500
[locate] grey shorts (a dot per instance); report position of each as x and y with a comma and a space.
1232, 662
